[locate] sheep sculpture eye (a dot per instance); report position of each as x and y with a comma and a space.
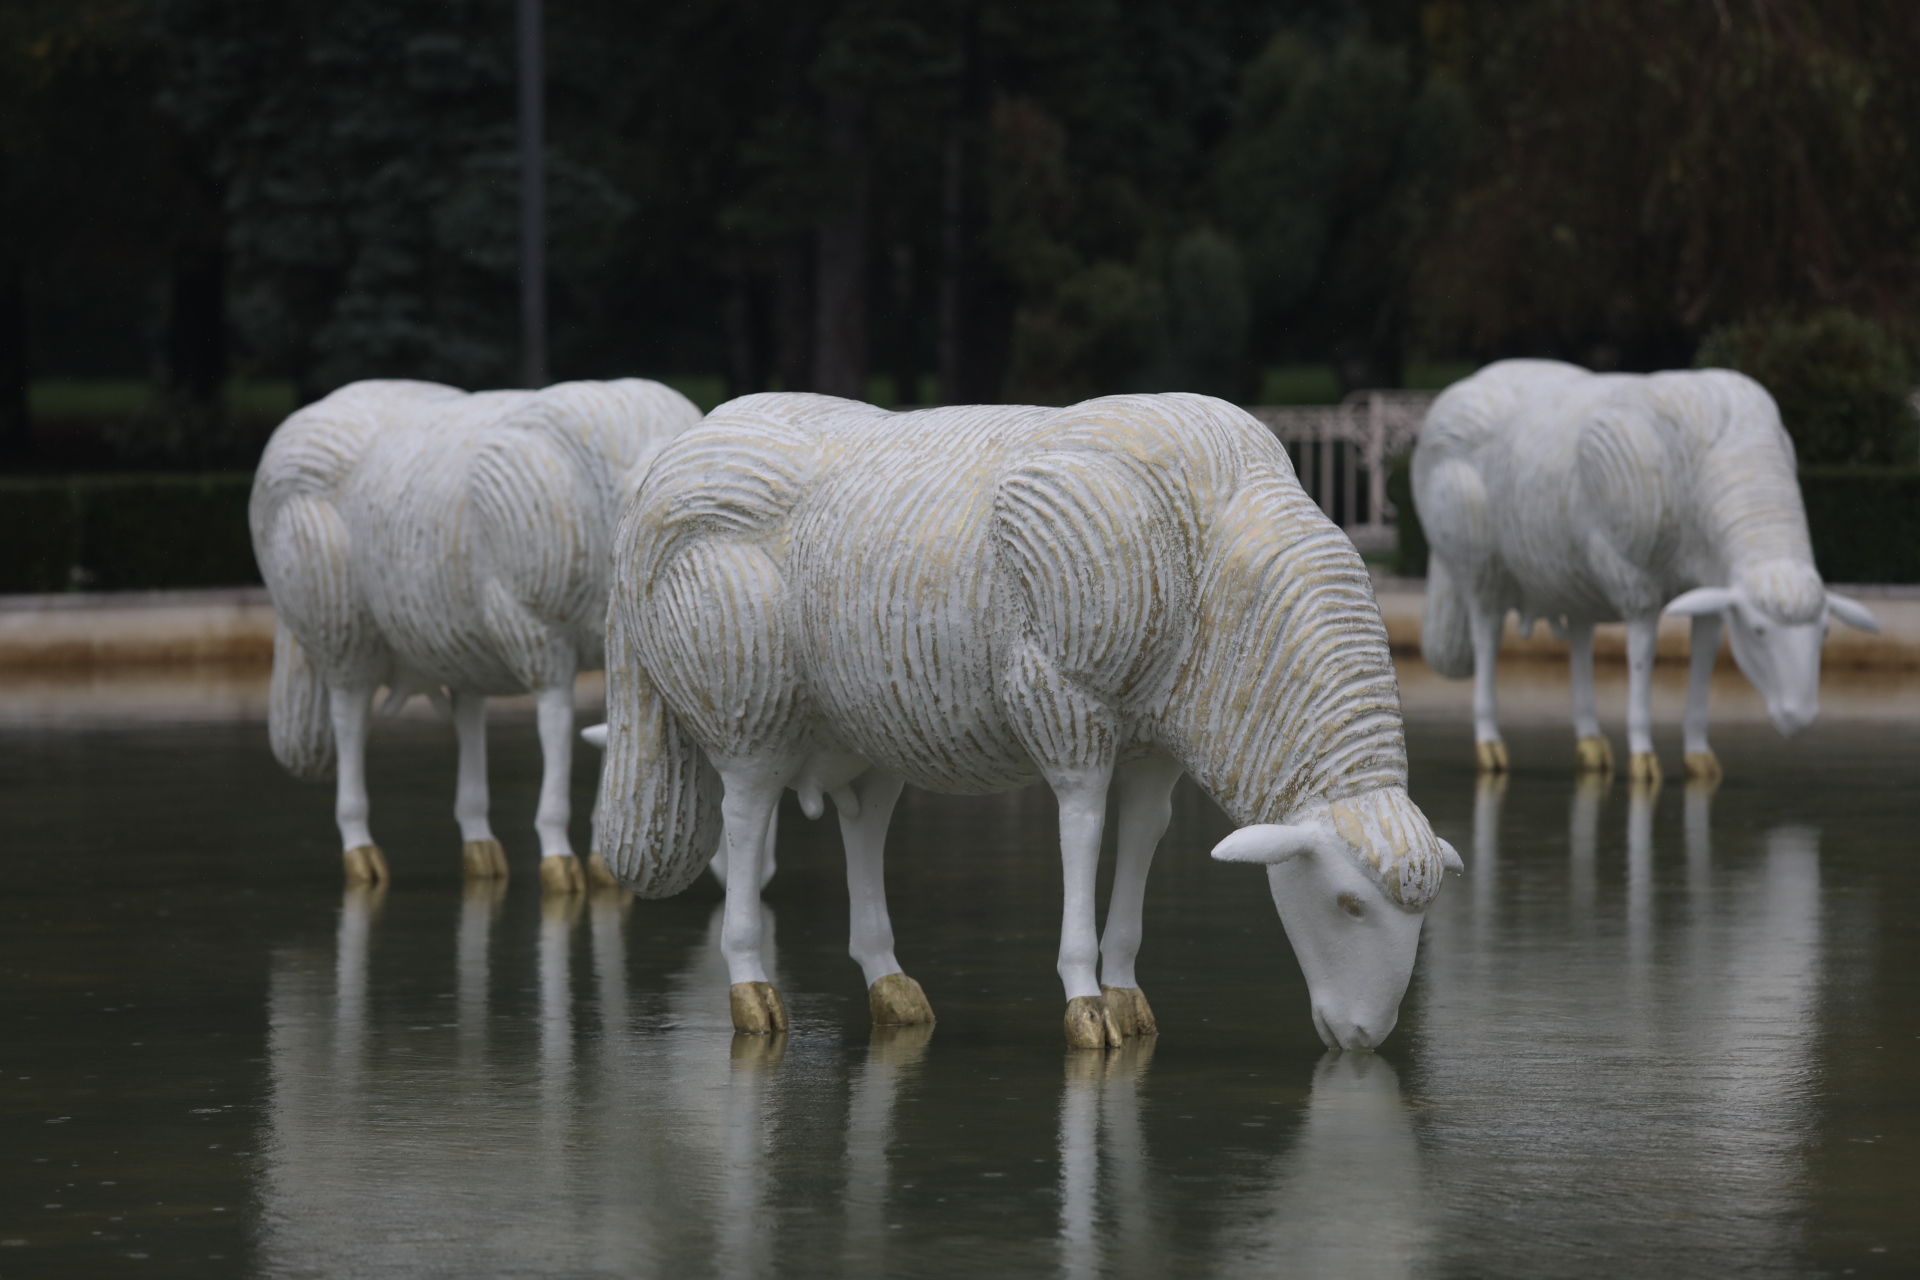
1351, 905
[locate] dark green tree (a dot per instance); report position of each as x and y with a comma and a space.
367, 155
1339, 164
1654, 168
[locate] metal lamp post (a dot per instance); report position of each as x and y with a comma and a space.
533, 201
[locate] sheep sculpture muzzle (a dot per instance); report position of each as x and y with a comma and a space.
1352, 883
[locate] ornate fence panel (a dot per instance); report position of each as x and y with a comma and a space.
1342, 453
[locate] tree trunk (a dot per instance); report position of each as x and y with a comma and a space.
16, 421
196, 340
746, 370
958, 232
905, 338
793, 314
840, 322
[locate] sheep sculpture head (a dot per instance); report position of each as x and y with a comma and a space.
1777, 619
1352, 881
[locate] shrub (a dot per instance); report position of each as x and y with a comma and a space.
1841, 382
1412, 559
1865, 522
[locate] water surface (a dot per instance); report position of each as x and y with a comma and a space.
1667, 1033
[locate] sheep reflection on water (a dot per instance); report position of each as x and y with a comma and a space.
1598, 1014
1713, 977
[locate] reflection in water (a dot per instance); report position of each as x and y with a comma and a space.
893, 1059
1349, 1198
1699, 823
1611, 1037
1100, 1134
479, 908
1640, 802
1583, 842
1720, 989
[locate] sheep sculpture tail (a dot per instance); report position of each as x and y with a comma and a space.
1446, 630
658, 821
299, 720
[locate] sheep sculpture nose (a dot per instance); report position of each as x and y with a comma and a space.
1347, 1033
1791, 716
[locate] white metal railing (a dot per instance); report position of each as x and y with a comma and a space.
1341, 453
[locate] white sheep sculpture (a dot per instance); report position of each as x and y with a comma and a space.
817, 594
1584, 498
417, 537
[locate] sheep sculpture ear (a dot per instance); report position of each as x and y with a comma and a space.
1268, 843
1853, 613
1702, 600
1451, 859
596, 734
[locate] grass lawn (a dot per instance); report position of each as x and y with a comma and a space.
67, 399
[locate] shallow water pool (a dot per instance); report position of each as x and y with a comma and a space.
1670, 1033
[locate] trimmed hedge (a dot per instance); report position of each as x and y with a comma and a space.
150, 532
125, 533
1412, 560
1865, 522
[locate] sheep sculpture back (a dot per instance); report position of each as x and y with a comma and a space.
433, 542
1584, 498
817, 594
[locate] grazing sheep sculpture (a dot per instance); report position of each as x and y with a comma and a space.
818, 594
1585, 498
421, 538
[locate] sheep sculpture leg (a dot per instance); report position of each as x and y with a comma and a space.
1146, 806
1083, 812
480, 853
1591, 750
1702, 651
362, 859
1489, 752
560, 871
894, 999
751, 797
1643, 766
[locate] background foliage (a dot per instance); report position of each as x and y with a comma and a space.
961, 199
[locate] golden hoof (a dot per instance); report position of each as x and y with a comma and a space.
483, 860
897, 1001
757, 1008
1703, 766
365, 864
1089, 1025
1643, 767
562, 874
1129, 1010
1490, 756
599, 876
1592, 755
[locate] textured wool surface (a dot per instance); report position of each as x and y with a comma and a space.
1584, 498
975, 598
419, 537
